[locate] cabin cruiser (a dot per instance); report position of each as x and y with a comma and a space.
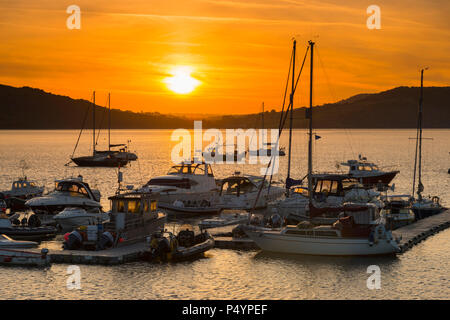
425, 207
71, 192
267, 151
186, 185
368, 173
328, 189
71, 218
134, 216
397, 211
240, 192
22, 189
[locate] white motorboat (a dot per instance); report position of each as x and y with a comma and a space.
7, 242
397, 211
71, 218
24, 258
191, 183
225, 219
72, 192
241, 191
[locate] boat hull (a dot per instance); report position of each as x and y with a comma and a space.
24, 258
276, 242
95, 162
372, 180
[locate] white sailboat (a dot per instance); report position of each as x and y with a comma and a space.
358, 231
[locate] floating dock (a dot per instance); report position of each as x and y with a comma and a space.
411, 235
418, 231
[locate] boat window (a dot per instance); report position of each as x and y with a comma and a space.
210, 172
153, 205
146, 205
179, 183
16, 185
326, 186
368, 168
33, 184
246, 186
361, 168
134, 206
74, 189
297, 232
120, 206
231, 187
375, 168
198, 170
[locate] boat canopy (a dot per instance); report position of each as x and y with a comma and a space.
191, 168
237, 186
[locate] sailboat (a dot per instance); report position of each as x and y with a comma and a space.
107, 158
266, 150
358, 229
422, 207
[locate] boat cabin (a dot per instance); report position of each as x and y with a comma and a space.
360, 166
332, 185
192, 169
134, 215
77, 188
237, 186
23, 184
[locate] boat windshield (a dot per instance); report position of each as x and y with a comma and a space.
197, 169
75, 189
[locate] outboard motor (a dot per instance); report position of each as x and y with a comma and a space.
276, 221
74, 241
34, 221
186, 237
23, 222
106, 240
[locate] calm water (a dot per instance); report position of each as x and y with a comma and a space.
421, 273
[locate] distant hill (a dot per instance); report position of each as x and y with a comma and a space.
29, 108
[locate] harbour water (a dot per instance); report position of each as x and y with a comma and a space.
420, 273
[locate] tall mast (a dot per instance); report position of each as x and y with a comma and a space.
311, 44
109, 122
291, 104
262, 116
93, 123
420, 185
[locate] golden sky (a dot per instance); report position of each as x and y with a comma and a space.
238, 49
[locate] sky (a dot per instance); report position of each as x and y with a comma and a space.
237, 51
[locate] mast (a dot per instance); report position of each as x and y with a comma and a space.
93, 123
109, 122
262, 116
420, 185
311, 44
291, 104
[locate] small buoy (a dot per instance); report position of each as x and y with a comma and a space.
66, 236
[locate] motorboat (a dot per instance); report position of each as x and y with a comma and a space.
25, 232
241, 191
71, 192
225, 219
24, 258
7, 242
106, 158
133, 216
397, 211
71, 218
191, 208
187, 185
185, 245
422, 207
21, 190
368, 173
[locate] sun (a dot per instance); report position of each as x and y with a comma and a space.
181, 81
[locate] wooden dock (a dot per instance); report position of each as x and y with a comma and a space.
420, 230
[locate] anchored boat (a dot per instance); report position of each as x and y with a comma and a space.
368, 173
